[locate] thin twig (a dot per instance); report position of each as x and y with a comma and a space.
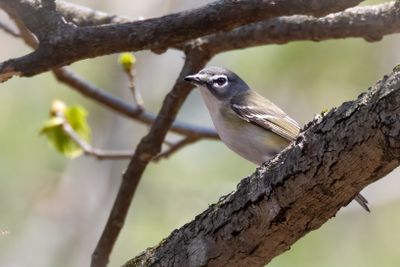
174, 147
100, 154
137, 96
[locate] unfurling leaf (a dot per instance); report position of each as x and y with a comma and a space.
76, 117
61, 141
127, 61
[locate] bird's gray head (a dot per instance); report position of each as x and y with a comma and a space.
222, 83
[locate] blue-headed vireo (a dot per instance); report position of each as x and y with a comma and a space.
249, 124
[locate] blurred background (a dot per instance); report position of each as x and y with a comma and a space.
55, 208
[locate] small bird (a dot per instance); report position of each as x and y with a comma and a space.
247, 123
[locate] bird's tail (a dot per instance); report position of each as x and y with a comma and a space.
362, 201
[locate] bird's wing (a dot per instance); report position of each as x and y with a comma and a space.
262, 112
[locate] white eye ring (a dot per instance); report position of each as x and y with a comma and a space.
220, 81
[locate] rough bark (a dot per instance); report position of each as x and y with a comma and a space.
368, 22
296, 192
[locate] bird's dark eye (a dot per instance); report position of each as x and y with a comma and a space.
220, 81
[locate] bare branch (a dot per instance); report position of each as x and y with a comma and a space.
174, 147
137, 97
368, 22
100, 154
62, 43
297, 191
146, 150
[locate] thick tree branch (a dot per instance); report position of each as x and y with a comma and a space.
296, 192
368, 22
147, 149
62, 43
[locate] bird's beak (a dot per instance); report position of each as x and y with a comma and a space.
195, 79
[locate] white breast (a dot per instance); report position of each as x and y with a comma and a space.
249, 141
